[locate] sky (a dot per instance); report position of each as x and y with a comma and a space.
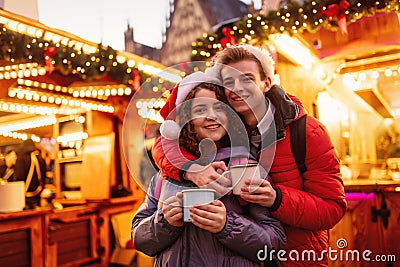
106, 21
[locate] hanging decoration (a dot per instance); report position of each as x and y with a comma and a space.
183, 66
228, 38
293, 17
48, 54
136, 80
338, 11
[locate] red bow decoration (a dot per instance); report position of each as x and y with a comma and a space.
183, 66
228, 37
339, 11
50, 51
136, 80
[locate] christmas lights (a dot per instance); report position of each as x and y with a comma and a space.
291, 18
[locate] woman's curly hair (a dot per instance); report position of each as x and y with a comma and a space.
188, 137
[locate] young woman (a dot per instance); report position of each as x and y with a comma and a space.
226, 232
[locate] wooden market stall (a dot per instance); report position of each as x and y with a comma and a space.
70, 96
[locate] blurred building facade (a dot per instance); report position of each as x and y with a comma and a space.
189, 19
138, 48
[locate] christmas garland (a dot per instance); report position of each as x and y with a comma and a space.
21, 48
291, 18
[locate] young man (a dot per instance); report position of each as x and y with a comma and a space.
309, 204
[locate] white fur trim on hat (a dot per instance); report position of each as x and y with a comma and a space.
190, 82
214, 71
266, 60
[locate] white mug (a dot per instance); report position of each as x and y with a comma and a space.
239, 174
12, 196
195, 196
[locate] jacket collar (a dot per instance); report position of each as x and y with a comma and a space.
287, 108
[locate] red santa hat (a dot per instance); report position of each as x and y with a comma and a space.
170, 129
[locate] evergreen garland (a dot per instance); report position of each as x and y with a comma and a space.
21, 48
290, 18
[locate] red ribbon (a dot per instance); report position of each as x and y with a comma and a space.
228, 37
48, 54
136, 80
183, 66
338, 11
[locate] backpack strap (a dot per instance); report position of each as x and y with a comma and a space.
34, 166
298, 143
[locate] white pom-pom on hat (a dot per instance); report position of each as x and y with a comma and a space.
170, 129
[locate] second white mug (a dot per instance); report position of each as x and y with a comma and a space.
239, 174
